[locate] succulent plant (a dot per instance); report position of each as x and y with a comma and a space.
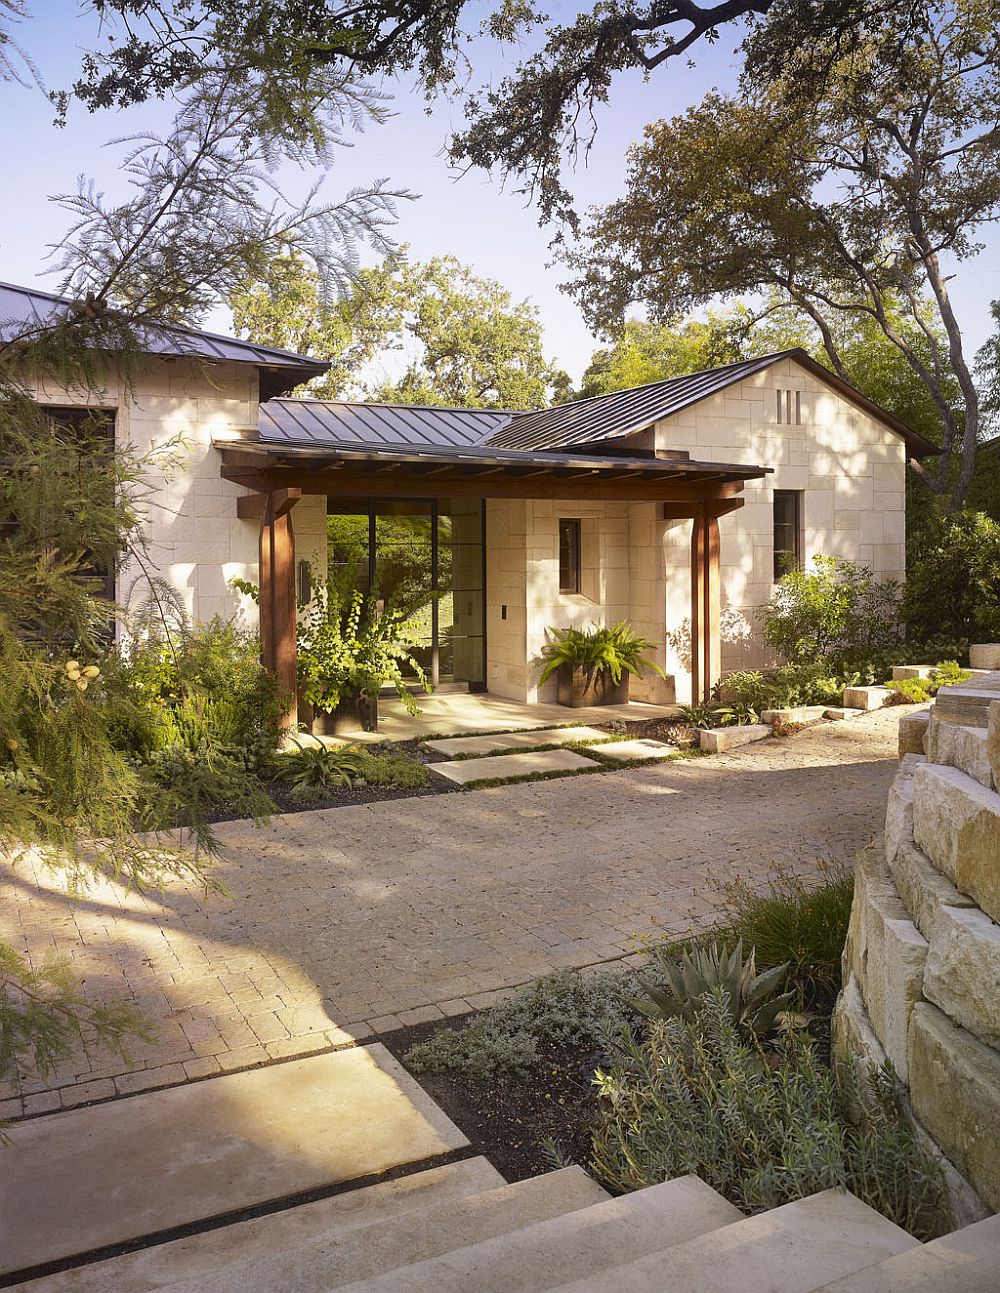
687, 979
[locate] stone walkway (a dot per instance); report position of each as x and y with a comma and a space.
347, 922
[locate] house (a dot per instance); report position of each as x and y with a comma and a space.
673, 505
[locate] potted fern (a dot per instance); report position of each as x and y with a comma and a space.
348, 649
593, 667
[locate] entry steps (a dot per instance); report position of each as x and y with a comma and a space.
458, 1228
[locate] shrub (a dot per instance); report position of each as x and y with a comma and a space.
953, 582
835, 613
751, 998
615, 651
915, 691
315, 768
746, 687
762, 1126
563, 1009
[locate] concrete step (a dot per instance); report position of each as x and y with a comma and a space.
196, 1257
419, 1236
797, 1248
542, 1255
966, 1261
86, 1178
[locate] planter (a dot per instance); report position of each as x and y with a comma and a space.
578, 689
355, 714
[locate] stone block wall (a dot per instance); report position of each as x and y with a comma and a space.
922, 960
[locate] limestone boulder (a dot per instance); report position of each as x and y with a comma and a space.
956, 822
913, 733
962, 975
924, 890
901, 672
984, 655
853, 1035
957, 746
899, 810
993, 741
865, 697
955, 1092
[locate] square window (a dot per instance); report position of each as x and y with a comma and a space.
787, 531
569, 555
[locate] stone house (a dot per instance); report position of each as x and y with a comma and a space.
672, 505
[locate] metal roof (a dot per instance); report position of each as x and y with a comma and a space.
335, 422
24, 307
623, 413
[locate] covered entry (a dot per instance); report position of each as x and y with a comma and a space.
417, 481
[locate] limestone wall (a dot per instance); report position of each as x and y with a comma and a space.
922, 961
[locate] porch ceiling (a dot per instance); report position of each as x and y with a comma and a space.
477, 472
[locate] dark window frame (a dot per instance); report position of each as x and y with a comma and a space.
786, 525
570, 556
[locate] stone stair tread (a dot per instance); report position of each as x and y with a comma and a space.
196, 1257
340, 1259
507, 766
91, 1177
548, 1252
966, 1261
796, 1248
520, 740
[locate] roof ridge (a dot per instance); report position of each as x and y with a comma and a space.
383, 404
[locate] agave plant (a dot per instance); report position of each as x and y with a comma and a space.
601, 649
687, 979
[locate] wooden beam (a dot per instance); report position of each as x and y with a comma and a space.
277, 595
706, 606
685, 511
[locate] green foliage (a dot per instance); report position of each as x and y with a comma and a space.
614, 650
761, 1125
796, 924
321, 767
915, 691
953, 581
565, 1009
348, 647
393, 771
476, 346
752, 1000
698, 717
746, 687
835, 613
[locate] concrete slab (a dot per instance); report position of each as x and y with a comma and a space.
717, 739
89, 1177
511, 765
264, 1241
515, 740
637, 748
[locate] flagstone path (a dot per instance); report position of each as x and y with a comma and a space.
348, 922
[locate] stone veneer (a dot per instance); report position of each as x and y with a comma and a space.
922, 960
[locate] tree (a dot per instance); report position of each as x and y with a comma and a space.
847, 203
644, 352
473, 345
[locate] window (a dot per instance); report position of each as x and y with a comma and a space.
788, 408
787, 530
569, 556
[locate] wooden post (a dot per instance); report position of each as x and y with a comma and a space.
706, 604
277, 593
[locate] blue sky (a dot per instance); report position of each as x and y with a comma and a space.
470, 216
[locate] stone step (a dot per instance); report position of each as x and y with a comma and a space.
718, 739
526, 740
865, 698
796, 1248
269, 1237
794, 714
966, 1261
592, 1239
957, 745
343, 1258
90, 1177
507, 766
968, 702
637, 747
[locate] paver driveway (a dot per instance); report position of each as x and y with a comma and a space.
355, 918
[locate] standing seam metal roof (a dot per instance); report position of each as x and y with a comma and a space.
331, 422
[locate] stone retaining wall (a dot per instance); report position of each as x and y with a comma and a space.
922, 961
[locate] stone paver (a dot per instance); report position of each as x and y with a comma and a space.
515, 740
341, 917
80, 1180
637, 748
511, 765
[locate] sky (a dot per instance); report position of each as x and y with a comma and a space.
469, 216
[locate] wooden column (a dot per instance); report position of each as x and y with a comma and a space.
706, 604
277, 592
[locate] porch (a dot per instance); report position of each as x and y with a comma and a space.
667, 490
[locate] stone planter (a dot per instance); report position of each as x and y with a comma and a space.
354, 714
578, 689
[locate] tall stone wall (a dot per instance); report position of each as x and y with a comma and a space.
922, 961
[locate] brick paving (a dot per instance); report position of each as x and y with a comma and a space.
347, 922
